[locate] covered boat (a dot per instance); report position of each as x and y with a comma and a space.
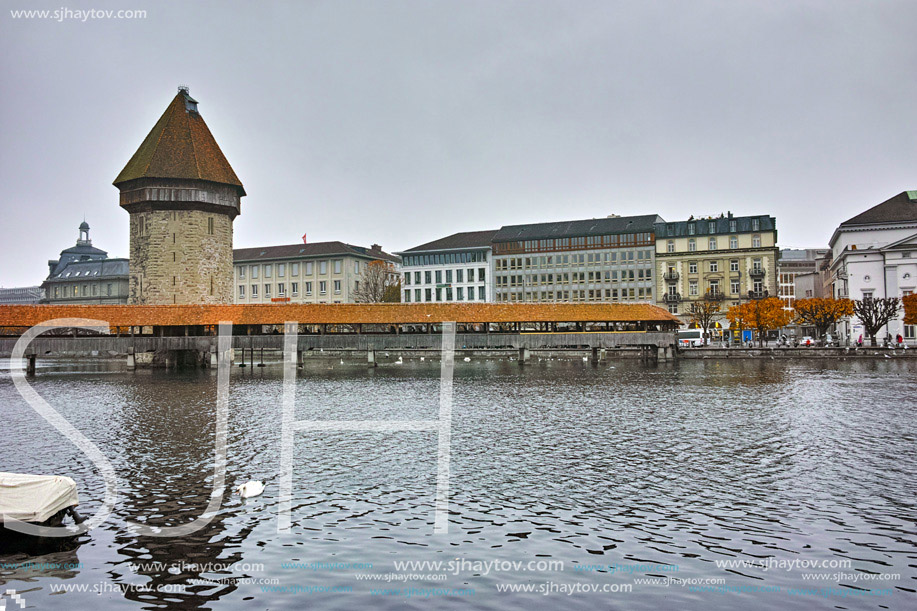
39, 499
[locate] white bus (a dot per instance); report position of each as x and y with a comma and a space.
690, 338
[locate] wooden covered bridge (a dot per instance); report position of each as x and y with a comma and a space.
173, 331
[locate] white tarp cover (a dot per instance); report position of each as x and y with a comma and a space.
34, 498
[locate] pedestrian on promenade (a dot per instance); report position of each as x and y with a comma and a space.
899, 340
860, 340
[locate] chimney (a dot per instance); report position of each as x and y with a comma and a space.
375, 247
304, 239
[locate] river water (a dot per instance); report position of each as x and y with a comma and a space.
699, 484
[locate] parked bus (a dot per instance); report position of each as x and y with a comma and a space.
690, 338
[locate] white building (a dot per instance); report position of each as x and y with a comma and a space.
875, 255
456, 268
322, 272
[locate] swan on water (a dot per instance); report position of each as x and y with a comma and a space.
251, 488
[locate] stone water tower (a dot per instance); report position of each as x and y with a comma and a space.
182, 196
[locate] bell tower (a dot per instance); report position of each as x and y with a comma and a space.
182, 196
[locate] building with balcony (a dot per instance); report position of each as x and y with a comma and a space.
83, 274
874, 255
728, 259
322, 272
591, 260
456, 268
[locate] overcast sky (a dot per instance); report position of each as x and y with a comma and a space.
401, 122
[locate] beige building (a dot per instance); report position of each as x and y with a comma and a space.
182, 196
323, 272
728, 259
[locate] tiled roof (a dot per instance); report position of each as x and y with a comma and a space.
679, 229
180, 146
316, 249
575, 229
458, 241
900, 208
389, 313
91, 270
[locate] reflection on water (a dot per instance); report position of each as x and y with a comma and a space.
671, 468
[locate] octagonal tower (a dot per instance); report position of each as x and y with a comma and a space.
182, 196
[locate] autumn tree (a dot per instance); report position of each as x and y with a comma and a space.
762, 315
392, 292
875, 313
821, 312
379, 282
910, 309
703, 314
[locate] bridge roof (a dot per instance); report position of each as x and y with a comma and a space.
377, 313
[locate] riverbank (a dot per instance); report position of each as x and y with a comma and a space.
716, 352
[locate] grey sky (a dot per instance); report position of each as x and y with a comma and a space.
401, 122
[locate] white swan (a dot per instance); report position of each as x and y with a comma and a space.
400, 361
467, 359
250, 488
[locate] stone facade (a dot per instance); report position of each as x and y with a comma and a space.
182, 196
180, 257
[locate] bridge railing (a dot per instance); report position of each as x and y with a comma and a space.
108, 345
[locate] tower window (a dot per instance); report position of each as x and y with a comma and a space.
210, 225
140, 227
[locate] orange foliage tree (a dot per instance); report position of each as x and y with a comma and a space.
762, 315
821, 312
379, 282
703, 314
910, 309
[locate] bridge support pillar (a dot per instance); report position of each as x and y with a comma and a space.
30, 364
524, 355
300, 360
214, 360
371, 357
131, 359
595, 356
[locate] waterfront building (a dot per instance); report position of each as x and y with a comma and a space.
456, 268
84, 274
322, 272
592, 260
182, 196
25, 295
874, 254
729, 259
793, 262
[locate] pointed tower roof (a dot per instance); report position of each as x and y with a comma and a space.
181, 146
